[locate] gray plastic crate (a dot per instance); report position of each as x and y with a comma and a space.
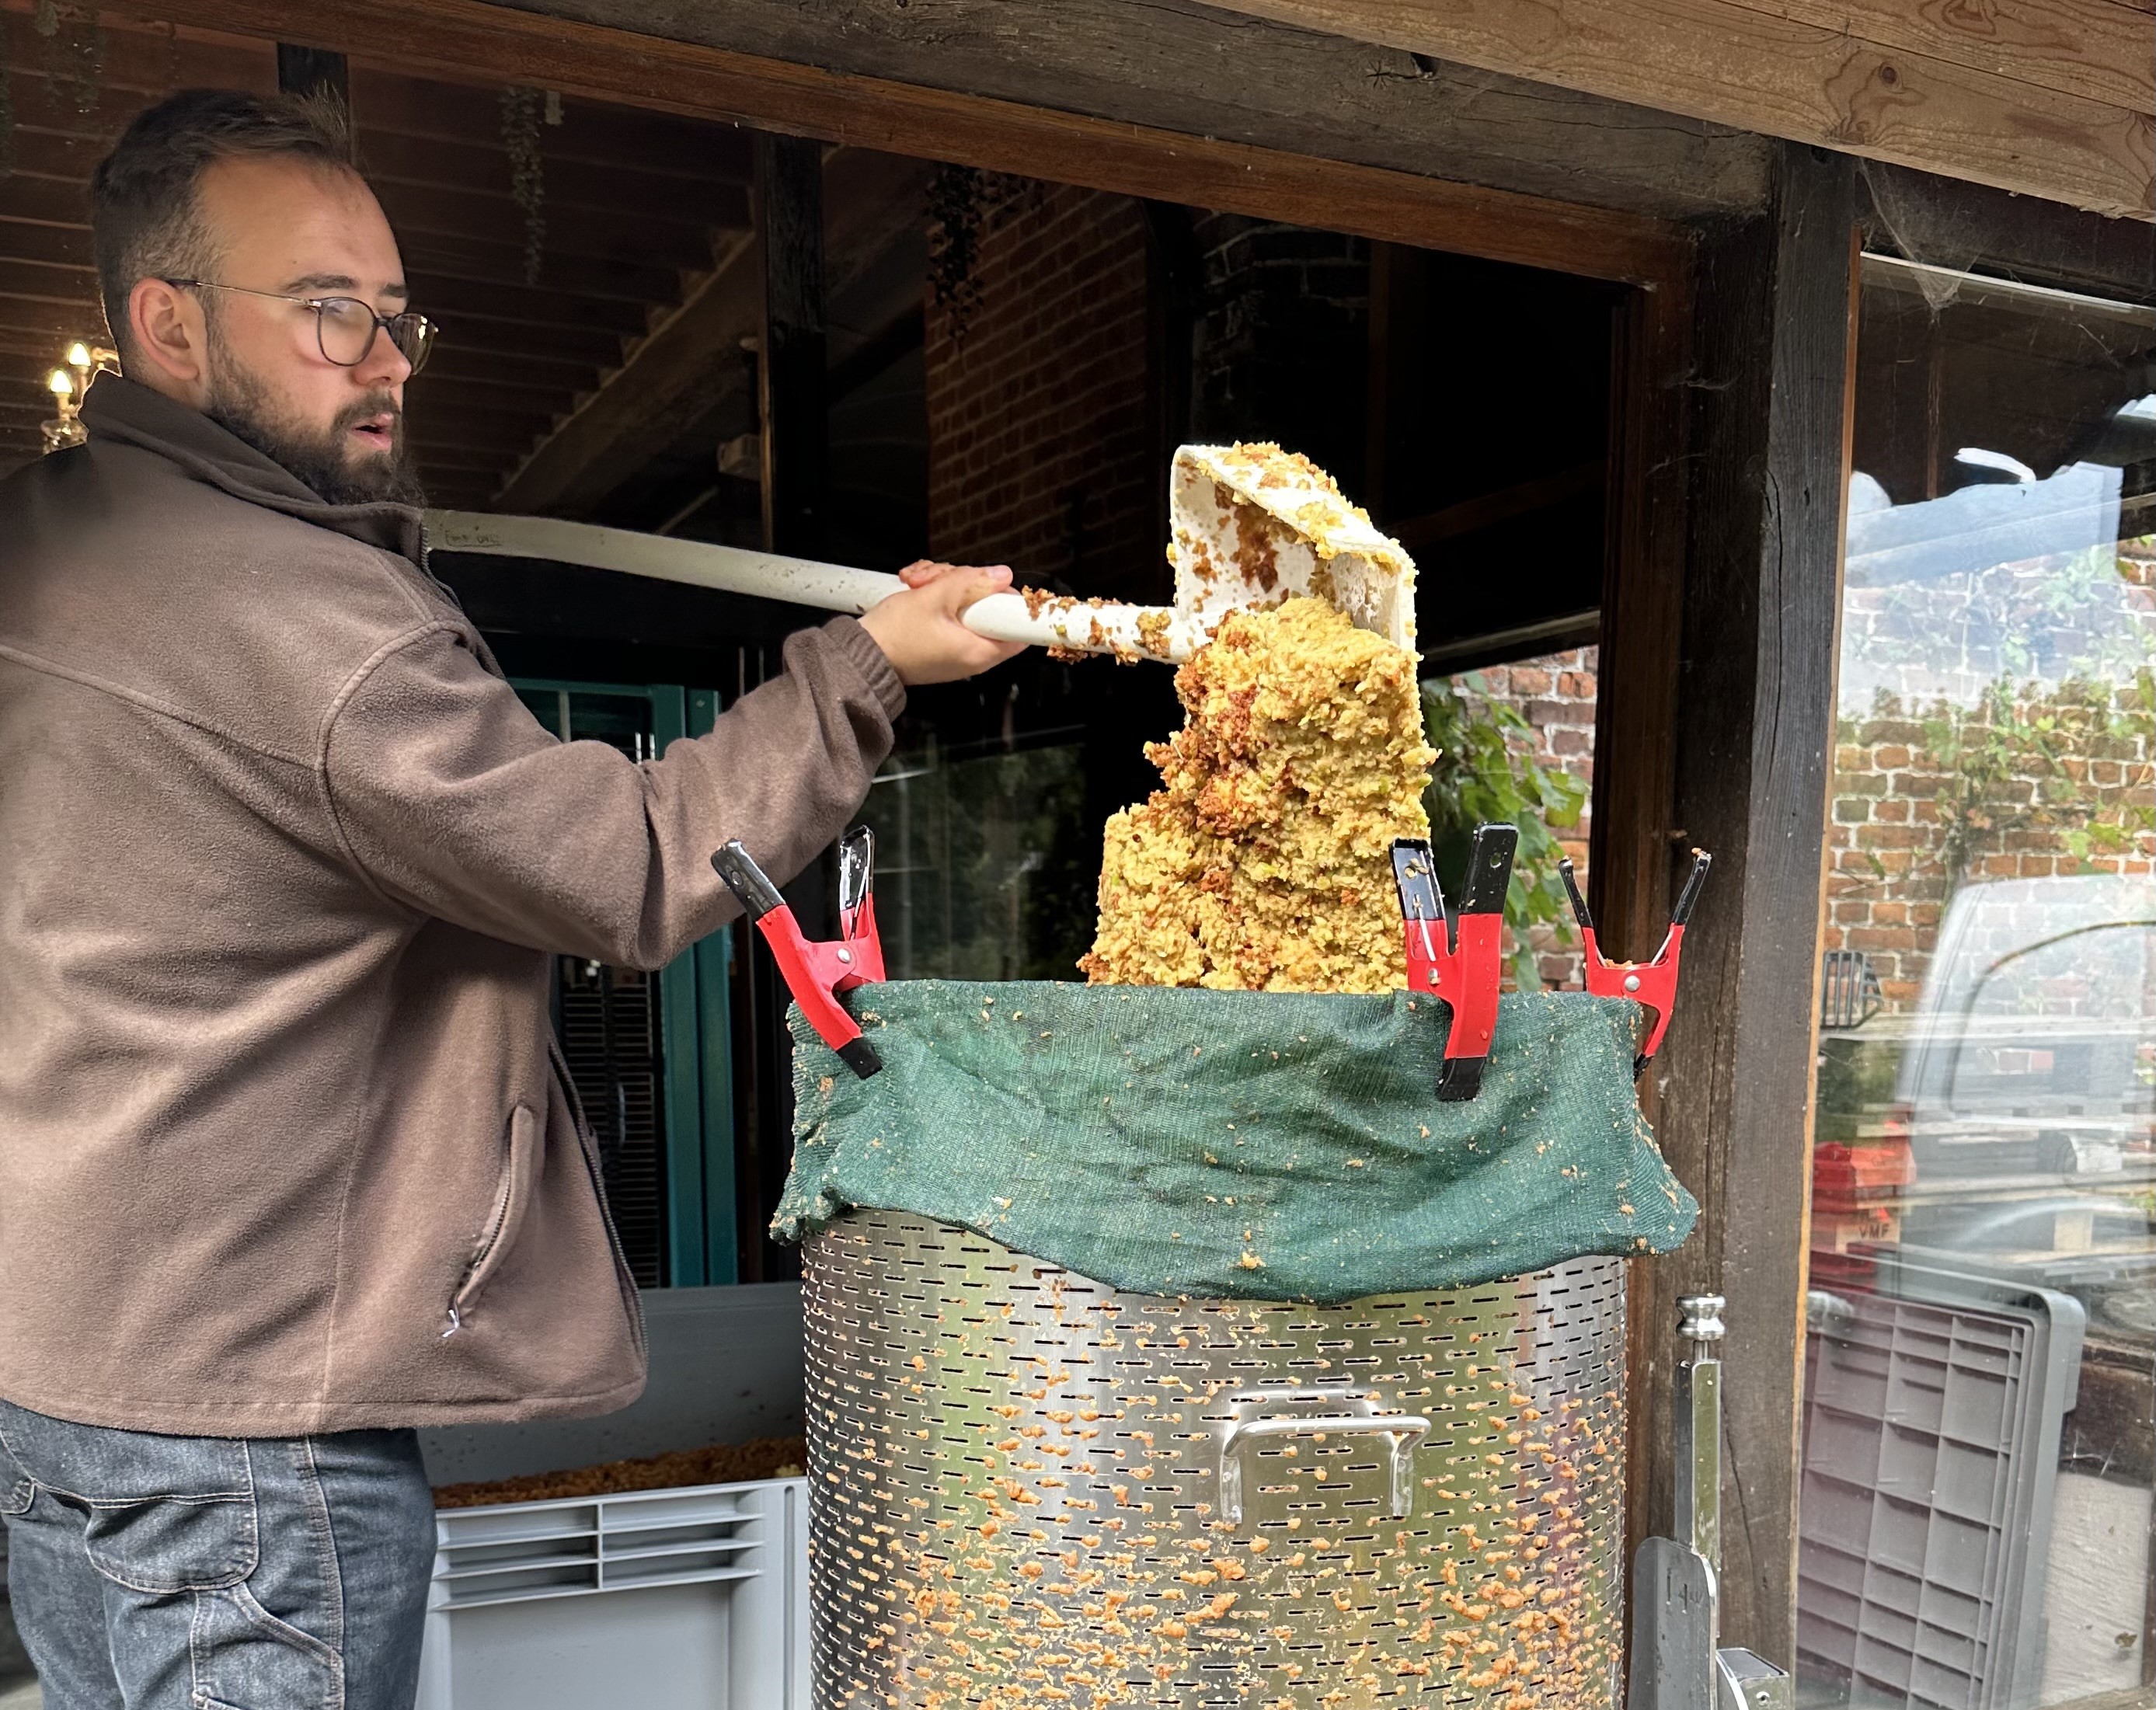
668, 1600
1931, 1452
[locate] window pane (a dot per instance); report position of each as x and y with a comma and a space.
1978, 1440
982, 862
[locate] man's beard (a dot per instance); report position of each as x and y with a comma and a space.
240, 404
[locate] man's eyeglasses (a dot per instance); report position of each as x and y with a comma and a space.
345, 327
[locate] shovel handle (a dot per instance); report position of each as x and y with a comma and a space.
1150, 632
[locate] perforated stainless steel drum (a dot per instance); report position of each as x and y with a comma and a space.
1028, 1489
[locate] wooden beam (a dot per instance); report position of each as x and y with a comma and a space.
1754, 724
2048, 98
694, 357
791, 352
1189, 67
1923, 216
2098, 49
462, 39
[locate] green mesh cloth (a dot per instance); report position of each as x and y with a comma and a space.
1262, 1145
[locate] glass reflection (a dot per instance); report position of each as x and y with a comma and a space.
1978, 1441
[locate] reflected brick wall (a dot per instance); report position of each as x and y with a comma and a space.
1927, 789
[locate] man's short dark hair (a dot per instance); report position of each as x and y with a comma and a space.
145, 215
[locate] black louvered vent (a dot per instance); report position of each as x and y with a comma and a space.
610, 1034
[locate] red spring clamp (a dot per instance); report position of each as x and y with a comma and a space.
816, 973
1653, 984
1462, 960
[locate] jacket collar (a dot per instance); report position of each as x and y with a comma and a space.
125, 410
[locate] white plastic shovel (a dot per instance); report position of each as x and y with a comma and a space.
1251, 527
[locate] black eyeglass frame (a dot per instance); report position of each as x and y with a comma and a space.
422, 329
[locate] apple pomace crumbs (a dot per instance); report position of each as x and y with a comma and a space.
1264, 862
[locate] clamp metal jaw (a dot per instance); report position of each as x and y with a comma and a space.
1653, 984
1458, 954
817, 972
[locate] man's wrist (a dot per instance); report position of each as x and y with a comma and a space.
858, 641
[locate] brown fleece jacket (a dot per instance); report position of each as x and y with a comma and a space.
282, 863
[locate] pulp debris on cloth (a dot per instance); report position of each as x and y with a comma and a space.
1263, 862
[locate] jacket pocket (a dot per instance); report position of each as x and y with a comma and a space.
512, 1200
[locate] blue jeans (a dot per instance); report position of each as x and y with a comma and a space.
156, 1573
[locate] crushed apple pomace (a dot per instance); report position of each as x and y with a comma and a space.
1264, 862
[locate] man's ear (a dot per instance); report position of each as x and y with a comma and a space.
169, 341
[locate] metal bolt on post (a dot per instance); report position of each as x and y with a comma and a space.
1678, 1662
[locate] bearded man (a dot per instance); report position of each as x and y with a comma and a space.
289, 1164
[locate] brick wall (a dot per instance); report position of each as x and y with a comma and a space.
1041, 446
1555, 694
1891, 871
1280, 350
1916, 663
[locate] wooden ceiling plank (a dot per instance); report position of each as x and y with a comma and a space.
450, 453
451, 37
528, 370
2102, 50
45, 201
1787, 76
40, 282
508, 380
503, 340
567, 184
139, 60
34, 346
677, 373
459, 256
450, 299
52, 321
27, 241
590, 232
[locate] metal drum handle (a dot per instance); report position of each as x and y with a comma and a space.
1406, 1430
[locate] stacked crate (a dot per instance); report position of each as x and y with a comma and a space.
1856, 1196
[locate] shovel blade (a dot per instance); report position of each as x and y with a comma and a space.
1254, 526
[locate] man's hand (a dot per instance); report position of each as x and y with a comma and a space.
919, 629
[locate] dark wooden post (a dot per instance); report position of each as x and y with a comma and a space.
789, 214
790, 399
1754, 726
305, 71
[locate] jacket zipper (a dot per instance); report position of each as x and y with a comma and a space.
624, 1278
485, 1247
